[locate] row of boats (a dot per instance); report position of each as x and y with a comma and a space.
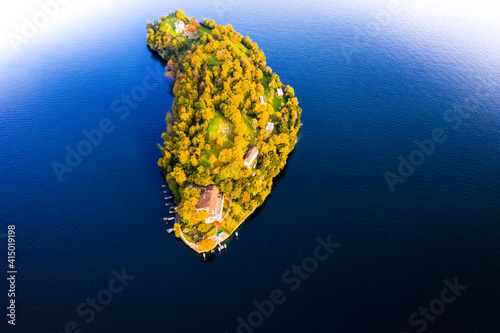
172, 206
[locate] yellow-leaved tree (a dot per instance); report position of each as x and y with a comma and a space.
206, 245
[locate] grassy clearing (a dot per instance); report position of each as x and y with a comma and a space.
212, 61
214, 124
276, 103
211, 232
221, 125
229, 224
168, 26
205, 30
265, 82
206, 163
272, 98
242, 50
248, 123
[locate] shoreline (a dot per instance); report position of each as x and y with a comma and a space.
274, 103
194, 247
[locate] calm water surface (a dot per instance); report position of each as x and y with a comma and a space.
371, 80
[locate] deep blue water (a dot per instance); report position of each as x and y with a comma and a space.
368, 90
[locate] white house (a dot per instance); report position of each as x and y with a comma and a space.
270, 127
251, 156
263, 100
179, 27
280, 92
212, 202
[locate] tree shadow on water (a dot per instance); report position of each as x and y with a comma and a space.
156, 56
276, 182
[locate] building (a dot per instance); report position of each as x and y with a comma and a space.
270, 127
212, 202
263, 100
251, 156
179, 27
280, 92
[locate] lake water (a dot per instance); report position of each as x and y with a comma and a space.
371, 77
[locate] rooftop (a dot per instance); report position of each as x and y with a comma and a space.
251, 155
208, 198
270, 127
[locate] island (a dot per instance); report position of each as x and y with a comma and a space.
231, 127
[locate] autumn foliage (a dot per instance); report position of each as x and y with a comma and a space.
217, 115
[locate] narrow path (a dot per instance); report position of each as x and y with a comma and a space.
228, 209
